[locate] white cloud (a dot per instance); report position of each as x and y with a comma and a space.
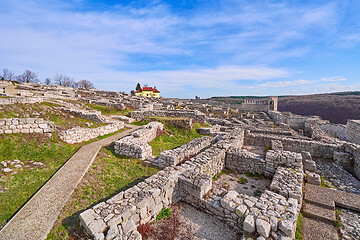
334, 79
281, 84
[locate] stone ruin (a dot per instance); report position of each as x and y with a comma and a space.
254, 137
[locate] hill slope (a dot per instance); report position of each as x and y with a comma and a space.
336, 107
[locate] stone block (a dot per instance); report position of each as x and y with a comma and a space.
263, 227
249, 224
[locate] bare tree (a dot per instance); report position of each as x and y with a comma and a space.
85, 84
63, 80
28, 76
47, 81
7, 75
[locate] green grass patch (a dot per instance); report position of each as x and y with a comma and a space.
164, 213
46, 111
108, 175
173, 138
22, 185
107, 110
326, 184
242, 180
337, 223
299, 225
140, 123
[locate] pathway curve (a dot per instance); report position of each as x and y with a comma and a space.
36, 218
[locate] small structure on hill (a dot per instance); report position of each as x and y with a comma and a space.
148, 92
8, 90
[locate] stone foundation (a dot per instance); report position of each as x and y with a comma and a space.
136, 145
25, 125
79, 134
175, 156
24, 100
193, 114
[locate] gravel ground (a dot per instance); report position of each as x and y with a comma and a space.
205, 226
338, 176
350, 221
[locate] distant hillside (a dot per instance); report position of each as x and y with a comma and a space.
336, 107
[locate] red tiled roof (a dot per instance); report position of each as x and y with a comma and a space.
139, 90
155, 90
147, 89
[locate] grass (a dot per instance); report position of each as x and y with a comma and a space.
164, 213
253, 175
242, 180
325, 184
107, 110
299, 225
140, 123
109, 174
174, 137
47, 111
22, 185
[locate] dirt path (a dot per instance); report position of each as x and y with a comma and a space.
36, 218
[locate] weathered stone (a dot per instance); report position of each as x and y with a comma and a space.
263, 227
249, 224
286, 226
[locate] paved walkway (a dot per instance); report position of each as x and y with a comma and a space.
319, 211
36, 218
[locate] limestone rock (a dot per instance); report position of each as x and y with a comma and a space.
249, 224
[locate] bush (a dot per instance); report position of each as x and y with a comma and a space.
242, 180
337, 223
164, 213
145, 230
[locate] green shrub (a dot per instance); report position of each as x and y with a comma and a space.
268, 147
257, 193
164, 213
337, 223
242, 180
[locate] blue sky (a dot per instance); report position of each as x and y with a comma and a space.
187, 48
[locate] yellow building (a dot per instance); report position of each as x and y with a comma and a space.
148, 92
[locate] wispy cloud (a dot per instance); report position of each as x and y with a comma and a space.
233, 44
333, 79
282, 84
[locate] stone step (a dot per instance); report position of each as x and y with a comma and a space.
318, 212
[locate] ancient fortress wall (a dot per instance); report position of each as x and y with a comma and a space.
94, 116
79, 134
175, 156
353, 130
25, 100
189, 182
334, 130
136, 145
194, 114
316, 149
25, 125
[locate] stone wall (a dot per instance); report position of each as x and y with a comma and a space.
25, 125
334, 130
242, 160
79, 134
194, 114
175, 156
270, 215
353, 130
316, 149
15, 100
136, 145
94, 116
